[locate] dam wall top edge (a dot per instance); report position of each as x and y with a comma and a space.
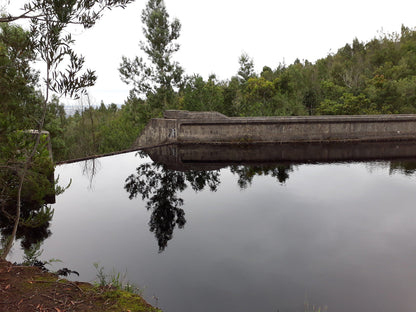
217, 118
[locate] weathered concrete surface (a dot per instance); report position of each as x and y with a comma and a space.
215, 156
211, 127
157, 132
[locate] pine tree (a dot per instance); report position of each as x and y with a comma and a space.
158, 79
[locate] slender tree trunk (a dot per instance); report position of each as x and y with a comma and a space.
23, 173
94, 147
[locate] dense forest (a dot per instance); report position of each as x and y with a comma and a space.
374, 77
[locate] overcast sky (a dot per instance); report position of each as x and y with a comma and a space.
215, 33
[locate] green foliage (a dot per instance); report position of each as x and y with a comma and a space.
104, 129
127, 301
200, 95
115, 280
85, 13
22, 106
53, 43
19, 102
348, 104
37, 191
32, 255
377, 77
26, 169
246, 70
155, 80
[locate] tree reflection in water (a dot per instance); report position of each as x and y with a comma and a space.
160, 186
35, 215
247, 173
34, 227
407, 168
90, 169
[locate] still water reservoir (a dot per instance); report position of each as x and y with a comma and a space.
261, 237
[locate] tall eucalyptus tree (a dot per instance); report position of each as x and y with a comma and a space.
155, 80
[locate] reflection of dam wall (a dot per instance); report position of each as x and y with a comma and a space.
212, 127
215, 156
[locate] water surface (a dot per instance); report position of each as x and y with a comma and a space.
268, 237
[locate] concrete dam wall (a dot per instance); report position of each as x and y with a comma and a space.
183, 127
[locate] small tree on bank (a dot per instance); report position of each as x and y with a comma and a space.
65, 74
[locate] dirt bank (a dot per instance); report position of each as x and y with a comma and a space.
24, 288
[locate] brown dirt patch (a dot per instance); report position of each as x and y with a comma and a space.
24, 288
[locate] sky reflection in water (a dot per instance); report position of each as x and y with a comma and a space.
339, 236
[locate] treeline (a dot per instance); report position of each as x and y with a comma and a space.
375, 77
91, 130
378, 77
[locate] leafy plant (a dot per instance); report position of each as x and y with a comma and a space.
31, 257
115, 280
